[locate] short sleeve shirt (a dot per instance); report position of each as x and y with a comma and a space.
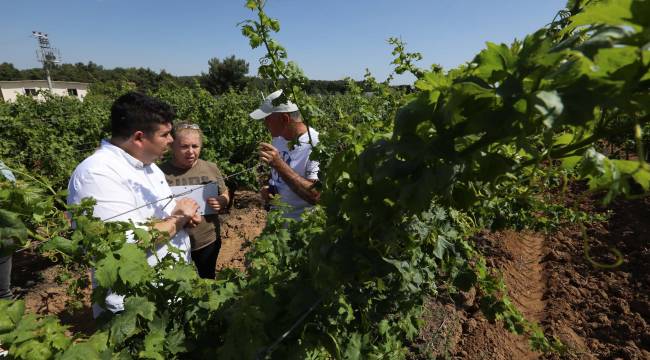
298, 159
202, 172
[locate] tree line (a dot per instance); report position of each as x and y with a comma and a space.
229, 73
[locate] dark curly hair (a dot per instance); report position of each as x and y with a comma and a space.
135, 111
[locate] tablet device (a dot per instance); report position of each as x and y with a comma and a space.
198, 193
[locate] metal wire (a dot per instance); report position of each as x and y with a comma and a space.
171, 197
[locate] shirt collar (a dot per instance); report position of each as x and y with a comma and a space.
105, 144
304, 137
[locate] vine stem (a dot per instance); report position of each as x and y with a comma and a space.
274, 61
34, 235
286, 333
44, 184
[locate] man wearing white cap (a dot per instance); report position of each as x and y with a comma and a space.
293, 174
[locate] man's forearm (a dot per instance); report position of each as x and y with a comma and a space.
171, 225
302, 187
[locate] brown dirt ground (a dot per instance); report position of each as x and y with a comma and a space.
34, 277
597, 313
455, 328
517, 256
602, 313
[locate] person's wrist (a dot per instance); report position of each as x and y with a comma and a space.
272, 161
180, 220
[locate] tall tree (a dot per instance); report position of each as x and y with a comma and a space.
9, 72
226, 74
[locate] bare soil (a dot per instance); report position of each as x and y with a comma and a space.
239, 228
602, 313
597, 313
455, 328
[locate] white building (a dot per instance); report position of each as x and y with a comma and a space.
9, 90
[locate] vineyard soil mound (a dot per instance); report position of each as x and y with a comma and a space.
456, 328
596, 313
517, 256
606, 312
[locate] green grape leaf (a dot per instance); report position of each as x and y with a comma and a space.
125, 325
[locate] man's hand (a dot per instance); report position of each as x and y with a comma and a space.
186, 208
270, 155
185, 213
195, 220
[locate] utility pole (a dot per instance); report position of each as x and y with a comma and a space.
46, 55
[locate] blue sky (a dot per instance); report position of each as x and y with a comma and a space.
329, 39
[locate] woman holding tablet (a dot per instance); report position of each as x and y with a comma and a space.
184, 169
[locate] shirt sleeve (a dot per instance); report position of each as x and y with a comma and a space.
311, 169
114, 201
4, 170
220, 179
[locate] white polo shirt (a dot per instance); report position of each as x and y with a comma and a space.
120, 183
297, 159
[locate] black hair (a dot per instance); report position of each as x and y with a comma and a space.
135, 111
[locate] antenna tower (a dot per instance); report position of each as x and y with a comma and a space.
46, 55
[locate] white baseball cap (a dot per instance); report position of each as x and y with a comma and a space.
267, 107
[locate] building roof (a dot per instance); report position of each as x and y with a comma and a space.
44, 82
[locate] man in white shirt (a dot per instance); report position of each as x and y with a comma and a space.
121, 176
293, 174
5, 259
